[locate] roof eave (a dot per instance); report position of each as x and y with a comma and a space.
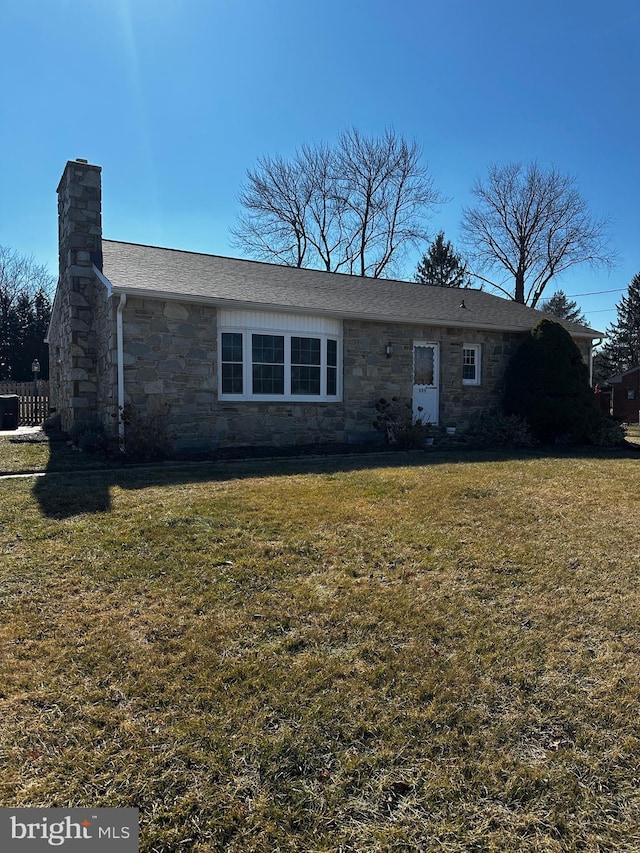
216, 301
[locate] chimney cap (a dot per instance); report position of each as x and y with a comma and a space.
81, 160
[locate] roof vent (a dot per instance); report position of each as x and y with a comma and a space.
462, 305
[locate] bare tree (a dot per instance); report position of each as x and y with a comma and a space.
532, 225
386, 194
352, 208
326, 208
276, 198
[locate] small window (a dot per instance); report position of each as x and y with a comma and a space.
631, 394
471, 364
332, 367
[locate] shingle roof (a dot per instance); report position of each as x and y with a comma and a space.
170, 273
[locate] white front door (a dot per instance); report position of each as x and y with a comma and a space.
426, 372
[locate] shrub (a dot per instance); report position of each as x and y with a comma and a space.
53, 427
147, 436
89, 436
547, 383
396, 419
495, 429
607, 433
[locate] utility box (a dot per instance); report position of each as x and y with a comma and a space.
9, 411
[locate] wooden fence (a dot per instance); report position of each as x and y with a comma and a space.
34, 408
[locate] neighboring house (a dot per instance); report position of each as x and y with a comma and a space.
243, 352
625, 395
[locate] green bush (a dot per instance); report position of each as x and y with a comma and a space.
495, 429
147, 437
607, 433
547, 384
396, 420
89, 436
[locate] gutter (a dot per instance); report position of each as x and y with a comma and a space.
372, 317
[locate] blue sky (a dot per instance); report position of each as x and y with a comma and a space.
175, 99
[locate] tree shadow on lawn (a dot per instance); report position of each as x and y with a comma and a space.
63, 493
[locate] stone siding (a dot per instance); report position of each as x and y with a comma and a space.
77, 307
104, 313
169, 367
170, 357
369, 375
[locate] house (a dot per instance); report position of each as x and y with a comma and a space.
625, 395
241, 352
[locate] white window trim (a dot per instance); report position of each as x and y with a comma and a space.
247, 365
477, 348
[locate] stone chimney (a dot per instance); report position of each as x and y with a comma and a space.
80, 216
72, 337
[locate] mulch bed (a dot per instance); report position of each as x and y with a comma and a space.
30, 438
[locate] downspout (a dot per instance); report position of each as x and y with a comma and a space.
120, 365
594, 344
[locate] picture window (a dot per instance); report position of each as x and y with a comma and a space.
257, 365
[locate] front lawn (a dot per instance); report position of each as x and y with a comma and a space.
348, 655
36, 453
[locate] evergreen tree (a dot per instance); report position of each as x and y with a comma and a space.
622, 348
28, 328
603, 369
547, 383
25, 309
441, 266
41, 316
21, 325
559, 305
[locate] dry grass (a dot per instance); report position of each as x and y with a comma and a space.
34, 453
17, 457
298, 657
